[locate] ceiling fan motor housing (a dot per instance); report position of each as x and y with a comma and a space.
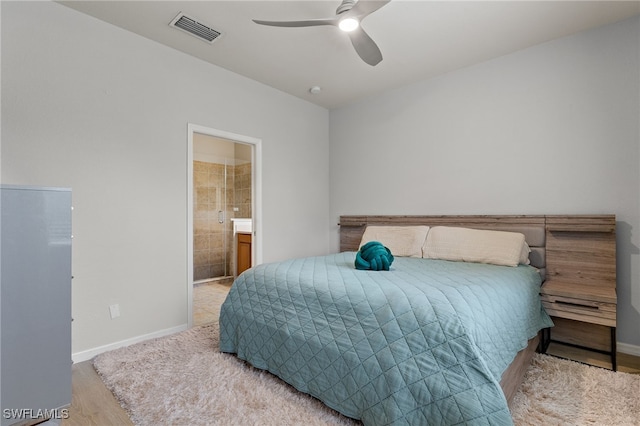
345, 6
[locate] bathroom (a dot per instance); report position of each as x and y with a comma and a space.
222, 208
222, 195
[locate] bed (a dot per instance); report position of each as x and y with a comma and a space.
436, 339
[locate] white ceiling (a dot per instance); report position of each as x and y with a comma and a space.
418, 38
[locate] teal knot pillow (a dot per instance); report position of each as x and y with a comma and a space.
374, 256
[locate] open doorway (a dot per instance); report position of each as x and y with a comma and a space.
223, 212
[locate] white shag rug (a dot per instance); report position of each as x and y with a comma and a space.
183, 380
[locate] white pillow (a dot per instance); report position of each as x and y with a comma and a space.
474, 245
403, 241
524, 254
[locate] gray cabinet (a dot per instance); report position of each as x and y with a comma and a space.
35, 303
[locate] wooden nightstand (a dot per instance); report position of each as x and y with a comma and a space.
589, 306
580, 290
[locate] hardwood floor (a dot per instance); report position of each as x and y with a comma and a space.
626, 363
92, 404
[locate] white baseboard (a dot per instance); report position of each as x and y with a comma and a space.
90, 353
628, 349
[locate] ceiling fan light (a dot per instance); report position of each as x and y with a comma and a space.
348, 24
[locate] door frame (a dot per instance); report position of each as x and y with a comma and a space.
256, 199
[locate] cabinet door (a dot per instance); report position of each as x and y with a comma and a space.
244, 252
35, 306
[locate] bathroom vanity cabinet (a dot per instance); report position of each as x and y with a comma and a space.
244, 251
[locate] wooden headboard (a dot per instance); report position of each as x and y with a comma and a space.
572, 248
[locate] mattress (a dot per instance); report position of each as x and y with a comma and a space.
423, 343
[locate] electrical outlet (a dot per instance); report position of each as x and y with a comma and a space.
114, 310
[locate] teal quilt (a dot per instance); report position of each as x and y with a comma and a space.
424, 343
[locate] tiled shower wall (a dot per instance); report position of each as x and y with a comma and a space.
242, 190
211, 256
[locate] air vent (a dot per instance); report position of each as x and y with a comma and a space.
195, 28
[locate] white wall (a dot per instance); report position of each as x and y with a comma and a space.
550, 129
89, 106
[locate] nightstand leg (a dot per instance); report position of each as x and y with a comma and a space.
545, 340
614, 350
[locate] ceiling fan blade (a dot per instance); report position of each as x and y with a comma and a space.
365, 47
307, 23
365, 7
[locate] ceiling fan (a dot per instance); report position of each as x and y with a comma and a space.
348, 17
